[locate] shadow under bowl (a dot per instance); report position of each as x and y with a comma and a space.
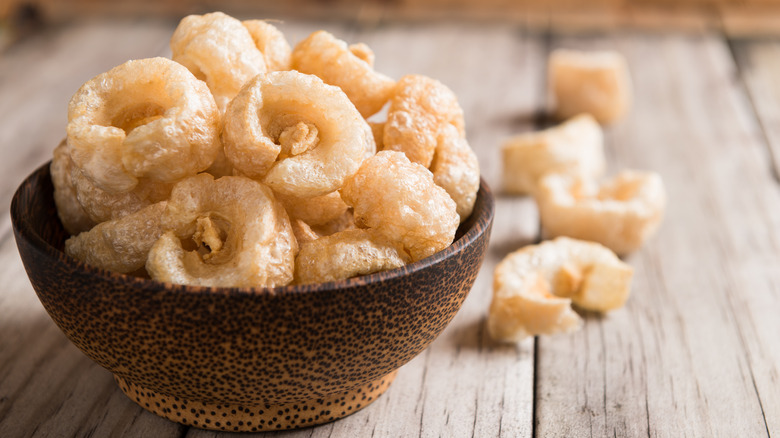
247, 359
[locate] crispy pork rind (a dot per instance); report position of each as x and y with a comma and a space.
456, 169
119, 245
621, 214
534, 287
573, 147
148, 118
347, 254
298, 135
399, 199
101, 206
271, 43
419, 110
219, 50
227, 232
318, 210
72, 215
349, 68
589, 82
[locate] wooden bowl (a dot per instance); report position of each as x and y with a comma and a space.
246, 359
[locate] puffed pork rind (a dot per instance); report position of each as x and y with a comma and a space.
72, 215
621, 213
534, 287
271, 43
573, 147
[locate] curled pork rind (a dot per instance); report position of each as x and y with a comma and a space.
318, 210
347, 254
271, 43
597, 83
419, 110
298, 135
119, 245
227, 232
456, 169
100, 205
534, 287
219, 50
72, 215
399, 199
324, 55
148, 118
574, 147
620, 214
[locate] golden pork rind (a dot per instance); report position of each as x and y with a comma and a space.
456, 169
219, 50
298, 135
594, 82
399, 200
119, 245
271, 43
72, 215
347, 254
227, 232
315, 211
148, 118
573, 147
350, 69
534, 287
420, 108
621, 213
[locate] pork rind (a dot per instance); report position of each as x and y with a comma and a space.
331, 59
597, 83
621, 213
219, 50
347, 254
399, 200
119, 245
318, 210
421, 107
456, 169
72, 215
148, 118
297, 134
573, 147
534, 287
271, 43
225, 232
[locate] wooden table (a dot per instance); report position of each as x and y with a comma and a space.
696, 350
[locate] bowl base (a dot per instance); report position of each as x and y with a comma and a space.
256, 417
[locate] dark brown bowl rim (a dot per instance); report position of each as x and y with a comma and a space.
24, 228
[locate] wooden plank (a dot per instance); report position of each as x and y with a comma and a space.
678, 360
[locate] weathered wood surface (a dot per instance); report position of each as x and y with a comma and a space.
696, 351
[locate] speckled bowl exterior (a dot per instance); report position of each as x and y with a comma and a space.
242, 346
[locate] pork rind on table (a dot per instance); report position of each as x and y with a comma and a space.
596, 82
573, 147
534, 288
620, 213
215, 167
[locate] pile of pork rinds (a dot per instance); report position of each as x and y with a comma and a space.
244, 162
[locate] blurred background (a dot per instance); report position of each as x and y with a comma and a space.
736, 18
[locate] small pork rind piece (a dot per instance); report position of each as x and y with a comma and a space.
597, 83
573, 147
421, 107
456, 169
119, 245
227, 232
621, 213
349, 68
534, 287
219, 50
271, 43
399, 199
297, 134
72, 215
101, 206
318, 210
347, 254
148, 118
